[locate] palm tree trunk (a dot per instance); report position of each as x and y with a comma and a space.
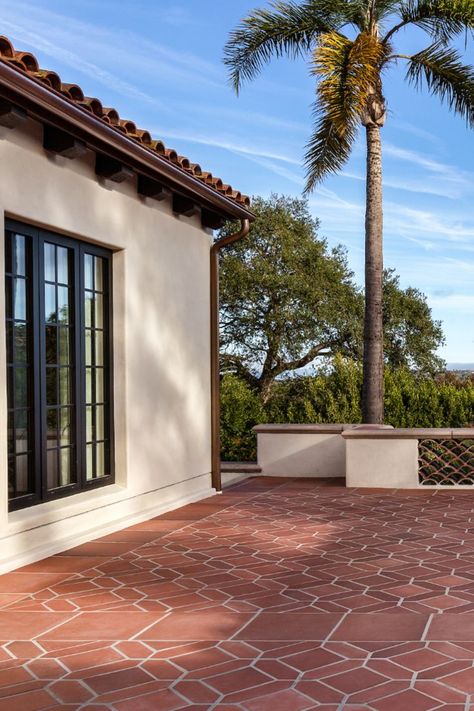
372, 388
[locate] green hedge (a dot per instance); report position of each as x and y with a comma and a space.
333, 395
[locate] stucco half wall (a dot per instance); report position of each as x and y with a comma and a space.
301, 450
161, 346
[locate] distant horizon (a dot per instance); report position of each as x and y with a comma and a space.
460, 366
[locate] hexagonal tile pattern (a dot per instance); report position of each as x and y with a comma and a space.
279, 595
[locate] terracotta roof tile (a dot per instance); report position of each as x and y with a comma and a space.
28, 63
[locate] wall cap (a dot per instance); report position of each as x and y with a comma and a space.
300, 429
409, 433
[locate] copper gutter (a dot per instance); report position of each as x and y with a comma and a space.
49, 106
215, 370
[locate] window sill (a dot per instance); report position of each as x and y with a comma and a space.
68, 507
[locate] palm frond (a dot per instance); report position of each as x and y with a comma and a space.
327, 150
349, 71
442, 19
446, 77
284, 29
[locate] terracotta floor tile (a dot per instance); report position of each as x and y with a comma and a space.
352, 681
261, 578
62, 564
379, 626
46, 668
123, 679
24, 650
298, 626
27, 625
161, 700
101, 548
101, 625
31, 701
281, 701
462, 680
201, 626
451, 627
29, 582
420, 659
406, 700
70, 692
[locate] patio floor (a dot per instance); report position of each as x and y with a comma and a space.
279, 595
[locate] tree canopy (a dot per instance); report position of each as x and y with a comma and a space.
288, 300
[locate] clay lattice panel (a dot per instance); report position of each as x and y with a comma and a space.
446, 462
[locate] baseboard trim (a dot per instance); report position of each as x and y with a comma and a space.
18, 558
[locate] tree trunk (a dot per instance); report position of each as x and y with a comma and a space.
372, 388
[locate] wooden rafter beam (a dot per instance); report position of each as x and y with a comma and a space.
184, 206
112, 169
11, 116
147, 187
62, 143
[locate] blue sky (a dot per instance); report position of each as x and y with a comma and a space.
159, 63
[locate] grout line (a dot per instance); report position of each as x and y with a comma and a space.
427, 626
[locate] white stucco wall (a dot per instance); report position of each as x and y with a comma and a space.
161, 345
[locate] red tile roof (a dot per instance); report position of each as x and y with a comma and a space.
28, 63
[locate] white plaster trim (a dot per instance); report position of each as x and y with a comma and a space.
113, 518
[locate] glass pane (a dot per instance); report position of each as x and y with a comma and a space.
9, 239
9, 297
52, 468
21, 349
99, 422
65, 386
50, 303
63, 265
21, 431
51, 344
65, 467
63, 304
89, 425
99, 279
88, 269
51, 386
49, 262
21, 387
11, 476
99, 348
99, 385
10, 433
22, 478
89, 385
20, 300
20, 255
99, 311
51, 427
100, 456
65, 426
89, 462
64, 350
88, 306
88, 347
10, 386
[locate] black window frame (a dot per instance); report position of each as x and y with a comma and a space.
37, 354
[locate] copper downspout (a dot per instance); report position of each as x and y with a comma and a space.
215, 370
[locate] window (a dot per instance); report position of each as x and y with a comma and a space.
59, 365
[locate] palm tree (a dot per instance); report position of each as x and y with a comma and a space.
349, 69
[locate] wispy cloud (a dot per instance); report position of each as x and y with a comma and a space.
232, 144
400, 125
72, 41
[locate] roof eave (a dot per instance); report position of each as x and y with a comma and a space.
50, 107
